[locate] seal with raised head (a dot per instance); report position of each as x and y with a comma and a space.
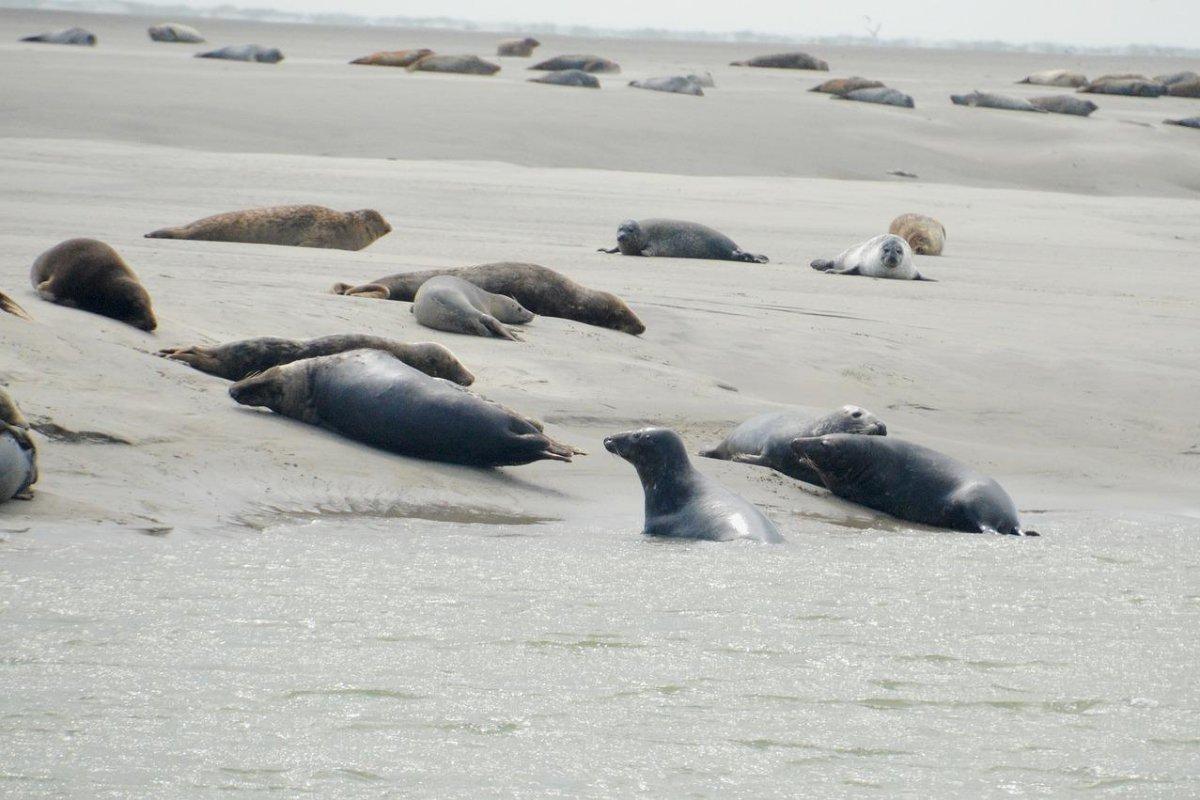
1056, 77
65, 36
519, 48
676, 84
372, 397
10, 306
394, 58
18, 454
1065, 104
586, 63
681, 502
766, 440
234, 361
295, 226
175, 32
541, 290
449, 303
925, 235
459, 65
882, 95
784, 61
246, 52
910, 482
89, 275
1130, 85
885, 256
672, 238
569, 77
999, 101
846, 85
1189, 122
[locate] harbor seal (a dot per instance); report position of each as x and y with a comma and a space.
541, 290
1065, 104
677, 84
999, 101
586, 63
1130, 85
681, 502
1190, 122
18, 453
910, 482
10, 306
1173, 78
246, 52
394, 58
449, 303
672, 238
519, 48
295, 226
374, 398
175, 32
925, 235
569, 77
66, 36
1185, 88
883, 95
1056, 77
459, 65
766, 440
702, 79
784, 61
845, 85
89, 275
234, 361
885, 256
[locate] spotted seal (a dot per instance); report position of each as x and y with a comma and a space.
1056, 77
569, 77
1131, 85
1065, 104
89, 275
883, 95
294, 226
925, 235
1189, 122
460, 65
672, 238
885, 256
449, 303
675, 84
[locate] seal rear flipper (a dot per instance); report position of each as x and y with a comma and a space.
166, 233
370, 291
10, 305
606, 250
493, 327
822, 265
713, 452
555, 451
751, 258
756, 459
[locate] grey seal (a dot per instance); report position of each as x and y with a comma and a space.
1131, 85
845, 85
569, 77
461, 65
676, 84
1189, 122
885, 256
784, 61
520, 48
294, 226
1185, 88
672, 238
1056, 77
681, 502
766, 439
910, 482
1065, 104
449, 303
1187, 76
175, 32
89, 275
986, 100
10, 306
587, 63
925, 235
246, 52
66, 36
883, 95
18, 454
374, 398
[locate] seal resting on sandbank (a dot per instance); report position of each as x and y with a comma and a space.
885, 256
294, 226
673, 238
89, 275
449, 303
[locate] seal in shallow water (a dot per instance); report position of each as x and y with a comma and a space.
586, 63
18, 454
449, 303
175, 32
784, 61
295, 226
673, 238
569, 77
985, 100
925, 235
66, 36
910, 482
520, 48
885, 256
89, 275
1056, 77
394, 58
372, 397
681, 502
246, 52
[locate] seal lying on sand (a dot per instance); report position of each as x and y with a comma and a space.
1185, 88
371, 397
1131, 85
885, 256
585, 63
296, 226
234, 361
10, 306
766, 440
678, 84
985, 100
449, 303
1065, 104
672, 238
882, 95
394, 58
543, 291
460, 65
844, 85
569, 77
681, 502
702, 79
18, 454
89, 275
910, 482
925, 235
784, 61
1056, 77
521, 48
1173, 78
175, 32
1190, 122
246, 52
67, 36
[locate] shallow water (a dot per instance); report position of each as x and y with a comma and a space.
347, 657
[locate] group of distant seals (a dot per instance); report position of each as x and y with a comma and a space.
671, 238
89, 275
175, 32
18, 454
77, 36
246, 52
296, 226
449, 303
884, 256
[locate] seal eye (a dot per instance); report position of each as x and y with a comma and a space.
856, 414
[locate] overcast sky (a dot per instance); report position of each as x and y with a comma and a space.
1088, 22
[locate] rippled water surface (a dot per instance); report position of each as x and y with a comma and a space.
352, 657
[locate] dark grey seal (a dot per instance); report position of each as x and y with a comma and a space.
584, 62
569, 77
910, 482
986, 100
681, 502
18, 454
766, 440
371, 397
784, 61
449, 303
883, 95
1131, 85
246, 52
677, 84
67, 36
672, 238
1065, 104
1190, 122
175, 32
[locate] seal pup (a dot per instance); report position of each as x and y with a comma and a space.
766, 440
925, 235
374, 398
845, 85
449, 303
460, 65
393, 58
1065, 104
910, 482
89, 275
1190, 122
246, 52
10, 306
883, 95
569, 77
672, 238
784, 61
175, 32
65, 36
295, 226
985, 100
519, 48
1131, 85
585, 62
541, 290
885, 256
18, 454
1056, 77
681, 502
677, 84
234, 361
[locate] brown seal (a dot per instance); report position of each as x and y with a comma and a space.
10, 306
925, 235
1056, 77
297, 226
521, 48
394, 58
846, 85
89, 275
234, 361
784, 61
539, 289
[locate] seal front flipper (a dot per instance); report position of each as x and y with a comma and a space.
607, 250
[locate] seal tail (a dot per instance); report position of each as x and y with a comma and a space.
9, 305
373, 291
557, 451
712, 452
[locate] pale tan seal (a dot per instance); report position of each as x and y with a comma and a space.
296, 226
846, 85
67, 36
519, 48
89, 275
394, 58
175, 32
449, 303
925, 235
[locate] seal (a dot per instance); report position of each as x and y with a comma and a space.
246, 52
1190, 122
585, 63
846, 85
175, 32
885, 256
910, 482
1064, 104
784, 61
882, 95
461, 65
374, 398
541, 290
89, 275
681, 502
1185, 88
449, 303
702, 79
677, 84
766, 440
1056, 77
10, 306
234, 361
295, 226
1173, 78
1131, 85
569, 77
985, 100
18, 453
925, 235
520, 48
65, 36
672, 238
394, 58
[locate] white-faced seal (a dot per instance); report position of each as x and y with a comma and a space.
449, 303
1131, 85
234, 361
10, 306
885, 256
175, 32
1190, 122
1056, 77
672, 238
539, 289
1065, 104
985, 100
910, 482
925, 235
681, 502
585, 63
246, 52
766, 440
677, 84
295, 226
845, 85
519, 48
459, 65
66, 36
89, 275
394, 58
569, 77
372, 397
882, 95
18, 454
784, 61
